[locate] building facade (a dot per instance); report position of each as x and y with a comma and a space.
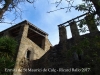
33, 43
78, 55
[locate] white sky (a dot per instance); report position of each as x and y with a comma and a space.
46, 21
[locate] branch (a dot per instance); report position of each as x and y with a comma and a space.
61, 9
30, 1
58, 3
5, 8
70, 2
8, 23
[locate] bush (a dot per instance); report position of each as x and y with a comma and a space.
8, 47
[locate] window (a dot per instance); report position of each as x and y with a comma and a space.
79, 56
28, 54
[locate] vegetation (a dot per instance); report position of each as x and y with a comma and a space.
89, 52
86, 6
7, 53
91, 7
12, 6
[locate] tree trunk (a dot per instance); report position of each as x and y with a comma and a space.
96, 4
5, 8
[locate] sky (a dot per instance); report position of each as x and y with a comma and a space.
48, 22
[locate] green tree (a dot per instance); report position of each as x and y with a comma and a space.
90, 7
7, 54
87, 6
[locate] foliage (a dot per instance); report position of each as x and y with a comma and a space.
12, 6
85, 7
90, 20
7, 53
90, 6
89, 49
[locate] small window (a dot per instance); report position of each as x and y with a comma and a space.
79, 56
28, 54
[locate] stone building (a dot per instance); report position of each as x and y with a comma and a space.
33, 43
74, 56
78, 55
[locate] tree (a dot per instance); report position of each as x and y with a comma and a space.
91, 9
10, 5
91, 5
96, 4
7, 54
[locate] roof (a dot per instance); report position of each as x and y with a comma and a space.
25, 22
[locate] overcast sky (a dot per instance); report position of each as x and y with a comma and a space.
46, 21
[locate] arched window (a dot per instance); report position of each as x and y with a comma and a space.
28, 54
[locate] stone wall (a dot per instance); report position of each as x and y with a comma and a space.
65, 55
57, 58
47, 44
27, 51
25, 45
